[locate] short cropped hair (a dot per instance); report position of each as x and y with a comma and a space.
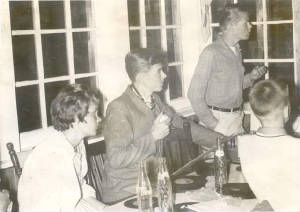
231, 13
268, 95
71, 102
137, 60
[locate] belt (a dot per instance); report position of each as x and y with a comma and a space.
224, 109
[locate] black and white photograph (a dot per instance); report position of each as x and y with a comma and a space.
149, 105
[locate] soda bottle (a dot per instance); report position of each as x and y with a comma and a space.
164, 187
144, 190
220, 168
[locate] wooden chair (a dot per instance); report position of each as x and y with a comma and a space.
18, 160
179, 147
95, 149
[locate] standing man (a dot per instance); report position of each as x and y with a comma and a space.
216, 88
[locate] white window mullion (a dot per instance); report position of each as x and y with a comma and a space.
39, 60
69, 40
164, 44
163, 26
296, 42
265, 36
143, 33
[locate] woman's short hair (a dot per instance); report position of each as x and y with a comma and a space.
141, 59
231, 13
268, 95
72, 102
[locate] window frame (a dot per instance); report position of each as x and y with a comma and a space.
110, 50
26, 137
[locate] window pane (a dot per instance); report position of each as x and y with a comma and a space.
254, 9
21, 15
89, 82
152, 9
24, 57
79, 13
280, 40
279, 10
283, 71
83, 58
134, 36
175, 82
28, 108
54, 55
250, 66
253, 48
174, 49
51, 91
133, 12
171, 12
216, 7
153, 39
52, 14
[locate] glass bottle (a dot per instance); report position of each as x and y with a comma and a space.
164, 187
144, 190
220, 168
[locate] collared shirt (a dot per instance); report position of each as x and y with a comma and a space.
53, 176
218, 81
149, 102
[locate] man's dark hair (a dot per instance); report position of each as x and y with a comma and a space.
137, 60
72, 102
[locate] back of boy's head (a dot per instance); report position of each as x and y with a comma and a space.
267, 96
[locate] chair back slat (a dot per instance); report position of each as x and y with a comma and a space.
95, 158
14, 159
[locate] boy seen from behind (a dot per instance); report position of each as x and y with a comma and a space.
270, 158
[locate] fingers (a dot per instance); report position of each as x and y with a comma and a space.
262, 70
160, 130
258, 72
162, 118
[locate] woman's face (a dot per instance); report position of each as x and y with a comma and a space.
154, 78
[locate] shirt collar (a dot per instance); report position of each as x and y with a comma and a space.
271, 133
149, 102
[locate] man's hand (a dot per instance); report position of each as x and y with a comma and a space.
160, 128
258, 72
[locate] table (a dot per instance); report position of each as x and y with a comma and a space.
193, 197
